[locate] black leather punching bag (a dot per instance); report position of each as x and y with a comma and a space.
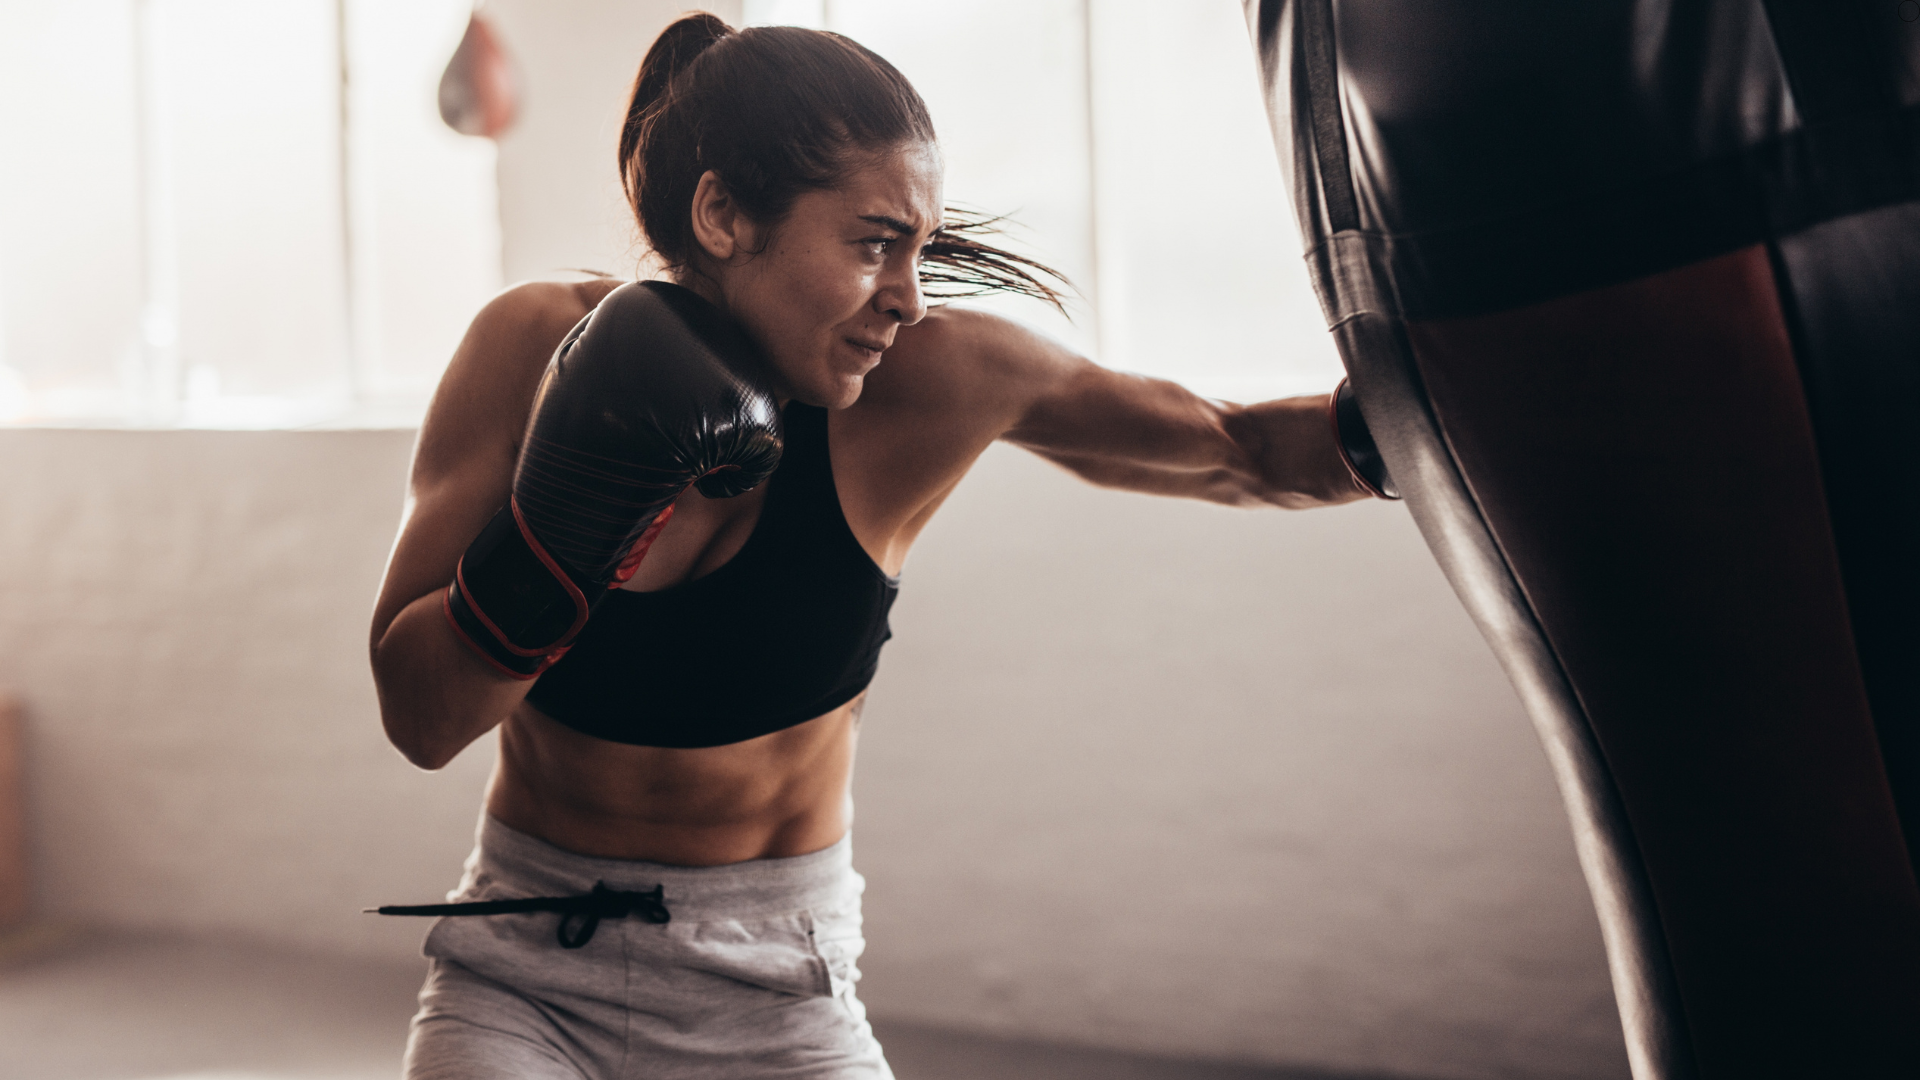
1629, 291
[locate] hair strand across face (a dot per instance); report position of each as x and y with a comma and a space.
956, 263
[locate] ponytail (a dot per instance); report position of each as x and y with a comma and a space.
673, 52
775, 111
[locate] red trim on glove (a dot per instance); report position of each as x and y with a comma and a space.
625, 571
573, 591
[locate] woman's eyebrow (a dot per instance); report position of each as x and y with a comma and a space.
890, 222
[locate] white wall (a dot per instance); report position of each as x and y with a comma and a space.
1168, 776
1137, 772
186, 622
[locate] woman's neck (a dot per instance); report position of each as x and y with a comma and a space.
701, 284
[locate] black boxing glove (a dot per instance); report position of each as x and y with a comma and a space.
1356, 444
653, 392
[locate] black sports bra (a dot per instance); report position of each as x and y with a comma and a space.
788, 629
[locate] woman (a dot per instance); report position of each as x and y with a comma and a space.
686, 765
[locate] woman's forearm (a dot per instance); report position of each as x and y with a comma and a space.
1173, 442
1293, 453
436, 695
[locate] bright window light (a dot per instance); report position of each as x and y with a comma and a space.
245, 273
215, 215
230, 213
1201, 278
70, 210
808, 13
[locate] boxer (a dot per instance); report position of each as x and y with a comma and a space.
663, 884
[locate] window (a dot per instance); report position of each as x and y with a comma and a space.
231, 213
237, 213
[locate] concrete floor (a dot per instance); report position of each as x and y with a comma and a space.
94, 1006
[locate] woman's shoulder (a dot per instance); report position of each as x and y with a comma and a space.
534, 309
949, 326
957, 349
489, 384
960, 358
514, 334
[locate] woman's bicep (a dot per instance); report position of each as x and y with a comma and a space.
990, 378
436, 695
443, 514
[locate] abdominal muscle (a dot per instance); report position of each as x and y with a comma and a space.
782, 794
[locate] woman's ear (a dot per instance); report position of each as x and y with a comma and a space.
718, 223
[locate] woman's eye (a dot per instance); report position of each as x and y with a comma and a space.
878, 245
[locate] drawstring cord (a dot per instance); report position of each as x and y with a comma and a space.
580, 915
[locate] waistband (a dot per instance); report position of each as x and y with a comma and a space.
507, 862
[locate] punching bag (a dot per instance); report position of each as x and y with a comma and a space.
1629, 293
479, 90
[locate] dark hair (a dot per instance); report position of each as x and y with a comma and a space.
775, 111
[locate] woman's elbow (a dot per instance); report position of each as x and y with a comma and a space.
409, 724
409, 736
421, 757
404, 732
405, 737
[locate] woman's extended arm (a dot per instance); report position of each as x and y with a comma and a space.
436, 695
1140, 434
1137, 433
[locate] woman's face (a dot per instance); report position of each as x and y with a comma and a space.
833, 281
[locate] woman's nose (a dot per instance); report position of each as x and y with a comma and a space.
901, 297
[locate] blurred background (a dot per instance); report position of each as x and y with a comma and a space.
1157, 781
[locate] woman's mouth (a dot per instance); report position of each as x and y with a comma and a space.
871, 349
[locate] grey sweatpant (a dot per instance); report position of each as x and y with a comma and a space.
752, 977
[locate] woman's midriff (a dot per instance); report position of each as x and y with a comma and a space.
775, 796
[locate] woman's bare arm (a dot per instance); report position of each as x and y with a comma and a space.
436, 696
1132, 432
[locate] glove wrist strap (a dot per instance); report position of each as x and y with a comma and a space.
1357, 449
513, 603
